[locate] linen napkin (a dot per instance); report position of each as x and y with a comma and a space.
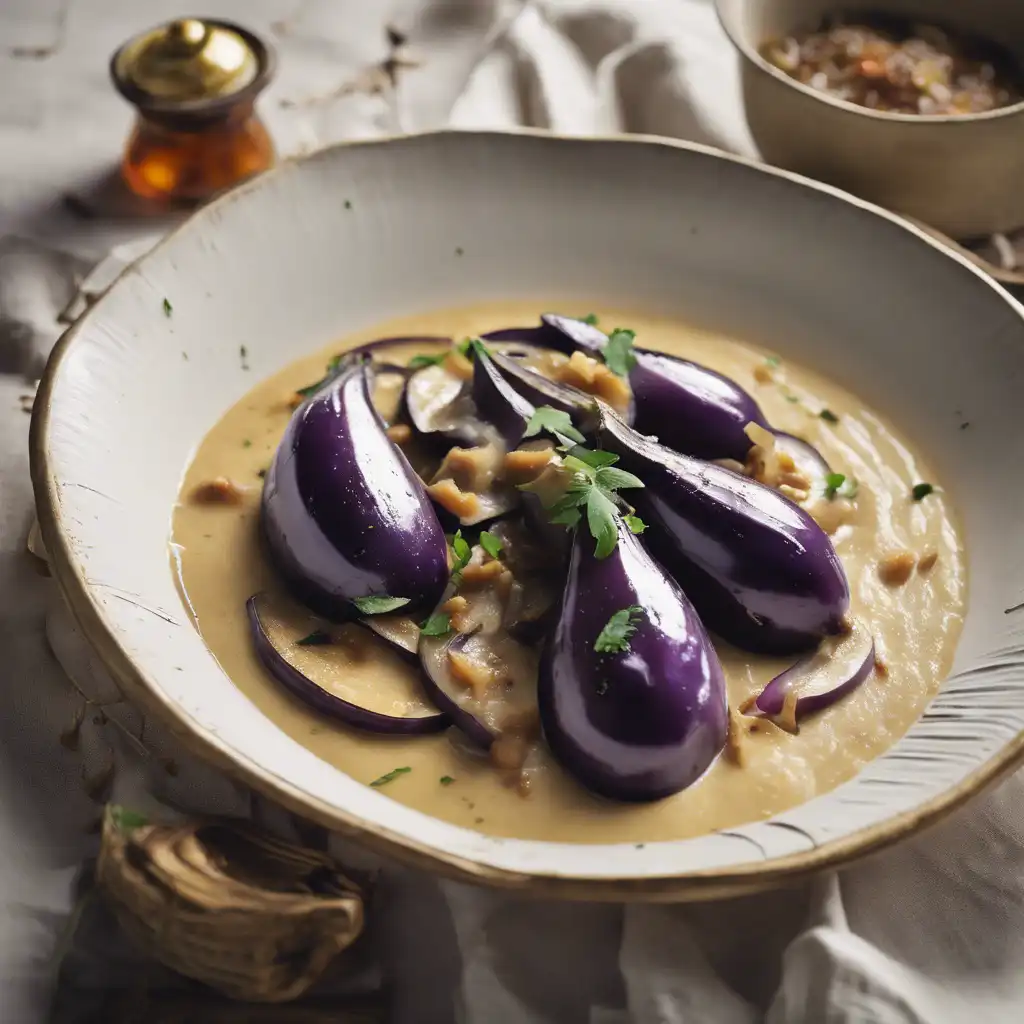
928, 932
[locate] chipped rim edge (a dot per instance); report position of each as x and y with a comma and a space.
701, 884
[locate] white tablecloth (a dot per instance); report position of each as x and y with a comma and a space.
929, 932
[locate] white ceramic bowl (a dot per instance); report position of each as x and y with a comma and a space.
359, 233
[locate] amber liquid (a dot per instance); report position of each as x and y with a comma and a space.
191, 165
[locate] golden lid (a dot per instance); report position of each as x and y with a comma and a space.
186, 61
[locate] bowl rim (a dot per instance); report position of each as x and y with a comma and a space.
752, 55
697, 884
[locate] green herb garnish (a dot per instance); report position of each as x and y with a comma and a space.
591, 318
246, 443
618, 354
168, 308
594, 488
318, 638
635, 524
461, 552
465, 346
792, 399
446, 780
391, 776
841, 485
555, 421
773, 361
614, 638
418, 362
491, 544
126, 820
437, 625
828, 416
920, 491
379, 605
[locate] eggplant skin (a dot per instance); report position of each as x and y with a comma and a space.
760, 571
645, 723
343, 514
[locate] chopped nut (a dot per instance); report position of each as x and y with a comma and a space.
793, 478
450, 496
794, 493
457, 608
400, 433
593, 377
523, 466
786, 463
458, 365
472, 674
894, 570
881, 668
472, 469
763, 375
927, 561
475, 575
218, 491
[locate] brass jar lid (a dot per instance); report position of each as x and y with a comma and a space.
191, 65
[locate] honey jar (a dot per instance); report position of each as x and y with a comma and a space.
194, 83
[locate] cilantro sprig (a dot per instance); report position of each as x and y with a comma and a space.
439, 624
390, 776
379, 604
618, 354
618, 630
491, 543
461, 554
840, 485
593, 491
554, 421
332, 369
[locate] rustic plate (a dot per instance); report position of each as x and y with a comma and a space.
365, 232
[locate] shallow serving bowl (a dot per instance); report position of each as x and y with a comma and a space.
361, 233
961, 175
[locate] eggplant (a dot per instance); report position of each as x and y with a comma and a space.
644, 721
419, 718
398, 631
435, 399
760, 571
481, 717
497, 401
343, 515
539, 390
808, 459
839, 665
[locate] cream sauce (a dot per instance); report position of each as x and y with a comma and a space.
916, 626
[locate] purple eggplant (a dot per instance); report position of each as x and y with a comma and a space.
418, 719
634, 711
539, 390
839, 665
344, 516
496, 400
758, 568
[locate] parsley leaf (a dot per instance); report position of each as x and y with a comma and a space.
594, 459
614, 638
841, 485
555, 421
590, 318
601, 514
126, 820
635, 524
616, 479
828, 416
462, 552
418, 362
618, 354
465, 346
490, 543
379, 604
168, 308
446, 780
390, 777
437, 625
833, 481
318, 638
921, 491
773, 361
